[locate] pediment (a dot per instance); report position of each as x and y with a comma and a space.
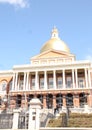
52, 54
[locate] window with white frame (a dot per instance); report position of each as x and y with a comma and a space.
50, 82
68, 82
3, 85
41, 83
81, 83
21, 83
33, 83
59, 82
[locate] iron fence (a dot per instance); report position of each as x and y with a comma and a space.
6, 121
23, 121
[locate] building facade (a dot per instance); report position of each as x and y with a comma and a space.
54, 76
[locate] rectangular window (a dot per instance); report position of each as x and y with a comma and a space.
59, 82
81, 83
68, 82
33, 83
21, 85
33, 117
33, 113
41, 83
50, 82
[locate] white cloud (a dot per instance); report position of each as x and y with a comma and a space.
19, 3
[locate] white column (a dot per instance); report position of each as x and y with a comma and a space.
38, 110
24, 85
13, 82
45, 80
15, 119
16, 81
73, 78
36, 81
31, 124
54, 79
89, 78
86, 78
34, 114
76, 77
27, 83
64, 78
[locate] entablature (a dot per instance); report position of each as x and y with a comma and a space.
65, 66
6, 73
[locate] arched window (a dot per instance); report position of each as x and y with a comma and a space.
69, 100
3, 85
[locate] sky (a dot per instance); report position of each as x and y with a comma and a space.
25, 25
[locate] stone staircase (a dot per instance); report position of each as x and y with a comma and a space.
44, 116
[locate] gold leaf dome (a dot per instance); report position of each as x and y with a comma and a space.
55, 43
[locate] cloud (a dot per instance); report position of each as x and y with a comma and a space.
17, 3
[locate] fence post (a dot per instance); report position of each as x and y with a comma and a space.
15, 118
34, 114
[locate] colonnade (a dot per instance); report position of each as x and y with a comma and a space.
74, 79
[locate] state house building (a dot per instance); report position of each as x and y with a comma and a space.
54, 76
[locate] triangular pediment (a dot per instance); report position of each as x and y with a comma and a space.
52, 54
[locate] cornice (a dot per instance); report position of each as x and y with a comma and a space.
6, 73
70, 65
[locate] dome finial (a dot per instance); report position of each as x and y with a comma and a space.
54, 33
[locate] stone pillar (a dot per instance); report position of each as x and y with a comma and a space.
89, 78
86, 78
30, 80
54, 101
18, 84
64, 100
36, 81
27, 84
89, 100
64, 79
12, 101
15, 119
76, 100
24, 85
13, 83
73, 78
16, 81
34, 114
44, 101
45, 80
76, 77
24, 102
54, 79
12, 104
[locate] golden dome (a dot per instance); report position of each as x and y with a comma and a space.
55, 43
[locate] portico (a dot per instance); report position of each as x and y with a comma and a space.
52, 79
